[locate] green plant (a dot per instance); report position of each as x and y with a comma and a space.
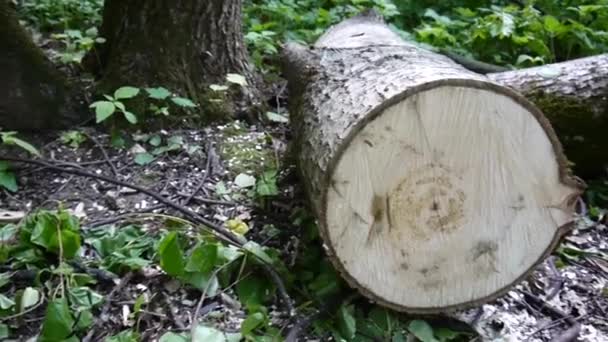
76, 44
105, 109
8, 180
52, 15
73, 138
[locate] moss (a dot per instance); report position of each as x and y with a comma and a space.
580, 130
242, 151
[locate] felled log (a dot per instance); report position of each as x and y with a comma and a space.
434, 187
574, 97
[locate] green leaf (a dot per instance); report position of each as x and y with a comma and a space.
155, 140
29, 297
203, 258
173, 337
84, 297
158, 93
252, 291
207, 334
445, 334
125, 93
216, 87
244, 181
183, 102
252, 322
144, 158
9, 138
139, 302
58, 321
171, 255
5, 277
257, 250
203, 281
124, 336
130, 117
8, 181
5, 302
552, 25
272, 116
236, 79
422, 330
4, 332
103, 110
347, 322
85, 319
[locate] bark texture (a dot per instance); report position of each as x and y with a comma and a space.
183, 45
355, 73
574, 97
34, 94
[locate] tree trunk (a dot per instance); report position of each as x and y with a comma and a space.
182, 45
34, 94
574, 97
434, 187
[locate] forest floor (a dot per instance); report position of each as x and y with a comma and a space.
212, 172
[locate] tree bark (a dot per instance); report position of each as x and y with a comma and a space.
574, 97
183, 45
435, 188
34, 94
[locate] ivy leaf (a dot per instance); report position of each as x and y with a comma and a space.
217, 87
5, 302
130, 117
244, 181
252, 321
144, 158
173, 337
203, 258
4, 332
103, 110
183, 102
29, 297
171, 255
158, 93
272, 116
9, 138
422, 330
236, 79
252, 291
257, 250
58, 321
126, 93
347, 322
207, 334
8, 181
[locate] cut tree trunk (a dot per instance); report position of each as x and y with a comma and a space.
574, 97
435, 188
182, 45
34, 94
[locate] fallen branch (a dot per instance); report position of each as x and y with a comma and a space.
224, 234
568, 335
106, 157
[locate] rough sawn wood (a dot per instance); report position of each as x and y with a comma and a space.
435, 188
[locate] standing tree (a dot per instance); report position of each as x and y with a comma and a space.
182, 45
34, 94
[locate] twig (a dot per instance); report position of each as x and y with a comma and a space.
205, 176
120, 217
571, 333
205, 200
300, 326
106, 307
221, 232
224, 234
103, 152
